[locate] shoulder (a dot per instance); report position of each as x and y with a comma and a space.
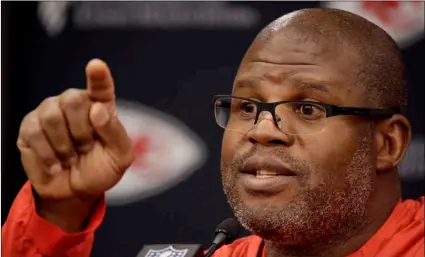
408, 214
242, 247
402, 234
417, 207
411, 234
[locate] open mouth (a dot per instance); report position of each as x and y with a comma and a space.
263, 173
266, 167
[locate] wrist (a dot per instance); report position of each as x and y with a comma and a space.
71, 215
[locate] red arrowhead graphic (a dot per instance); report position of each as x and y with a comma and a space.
381, 9
141, 147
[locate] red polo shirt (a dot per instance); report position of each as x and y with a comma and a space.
26, 234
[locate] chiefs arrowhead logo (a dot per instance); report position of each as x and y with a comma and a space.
402, 20
166, 153
53, 15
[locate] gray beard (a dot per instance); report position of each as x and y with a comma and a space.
323, 216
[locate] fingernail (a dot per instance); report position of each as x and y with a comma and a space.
55, 168
103, 117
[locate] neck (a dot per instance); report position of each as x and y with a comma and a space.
378, 213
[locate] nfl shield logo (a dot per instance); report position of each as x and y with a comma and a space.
167, 252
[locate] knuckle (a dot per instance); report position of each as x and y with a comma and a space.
64, 151
82, 132
30, 127
73, 98
86, 132
64, 148
28, 118
51, 117
48, 102
25, 123
34, 133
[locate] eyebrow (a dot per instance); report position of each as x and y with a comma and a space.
254, 84
314, 86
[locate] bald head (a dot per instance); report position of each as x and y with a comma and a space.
375, 58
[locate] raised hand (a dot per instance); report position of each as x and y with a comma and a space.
73, 147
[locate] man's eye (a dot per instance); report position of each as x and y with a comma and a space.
307, 109
247, 107
310, 111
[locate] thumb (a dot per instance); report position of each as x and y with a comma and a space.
112, 133
100, 84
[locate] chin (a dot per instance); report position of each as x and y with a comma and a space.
269, 225
265, 222
257, 213
276, 219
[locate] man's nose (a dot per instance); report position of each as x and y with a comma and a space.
266, 132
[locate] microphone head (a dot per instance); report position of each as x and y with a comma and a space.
230, 227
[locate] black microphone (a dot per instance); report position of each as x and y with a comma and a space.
225, 233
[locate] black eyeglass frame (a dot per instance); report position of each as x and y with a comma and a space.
331, 109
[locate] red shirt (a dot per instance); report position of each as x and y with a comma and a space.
26, 234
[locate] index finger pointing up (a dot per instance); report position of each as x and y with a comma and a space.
100, 85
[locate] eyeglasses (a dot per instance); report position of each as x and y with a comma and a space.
291, 117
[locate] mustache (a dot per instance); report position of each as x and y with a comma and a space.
296, 164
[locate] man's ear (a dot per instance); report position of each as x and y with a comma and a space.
392, 137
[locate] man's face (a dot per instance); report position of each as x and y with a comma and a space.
329, 175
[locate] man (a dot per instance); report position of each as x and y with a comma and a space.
315, 175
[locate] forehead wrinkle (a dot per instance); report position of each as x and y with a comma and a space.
297, 84
277, 76
339, 68
278, 73
284, 48
365, 52
330, 69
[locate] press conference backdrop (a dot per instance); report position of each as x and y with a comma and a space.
168, 59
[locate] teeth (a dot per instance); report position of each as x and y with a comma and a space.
266, 173
265, 176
